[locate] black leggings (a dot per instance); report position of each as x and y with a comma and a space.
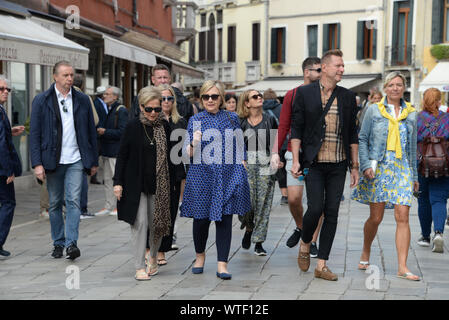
223, 235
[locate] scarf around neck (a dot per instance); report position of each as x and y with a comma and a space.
394, 139
162, 220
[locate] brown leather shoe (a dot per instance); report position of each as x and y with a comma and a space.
304, 261
326, 274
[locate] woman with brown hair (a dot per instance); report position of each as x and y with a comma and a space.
143, 178
433, 191
255, 122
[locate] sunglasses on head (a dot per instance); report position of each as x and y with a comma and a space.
168, 98
206, 97
317, 70
5, 88
150, 109
256, 96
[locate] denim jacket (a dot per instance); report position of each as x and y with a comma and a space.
373, 138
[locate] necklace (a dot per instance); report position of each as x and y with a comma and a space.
148, 137
256, 121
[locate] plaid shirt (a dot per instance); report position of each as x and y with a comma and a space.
332, 147
441, 131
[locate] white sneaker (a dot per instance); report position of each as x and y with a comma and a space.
438, 243
44, 214
87, 215
102, 212
424, 242
113, 212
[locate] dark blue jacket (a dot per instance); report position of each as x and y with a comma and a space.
101, 112
46, 130
9, 160
115, 124
274, 106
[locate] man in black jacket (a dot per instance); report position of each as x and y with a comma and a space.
324, 128
161, 75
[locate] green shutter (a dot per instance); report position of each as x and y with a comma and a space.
360, 42
437, 21
410, 33
273, 45
338, 35
375, 42
394, 41
325, 38
283, 44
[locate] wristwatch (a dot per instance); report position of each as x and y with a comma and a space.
355, 165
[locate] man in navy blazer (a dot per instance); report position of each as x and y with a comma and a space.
63, 144
10, 167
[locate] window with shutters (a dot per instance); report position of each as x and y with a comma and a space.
366, 39
256, 42
202, 46
231, 43
402, 32
446, 21
312, 40
211, 39
331, 36
203, 20
278, 45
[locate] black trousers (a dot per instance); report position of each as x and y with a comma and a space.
324, 184
223, 236
174, 203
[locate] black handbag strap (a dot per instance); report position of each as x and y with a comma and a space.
325, 111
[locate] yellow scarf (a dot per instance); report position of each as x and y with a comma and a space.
394, 140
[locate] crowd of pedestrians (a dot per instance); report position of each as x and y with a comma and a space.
220, 155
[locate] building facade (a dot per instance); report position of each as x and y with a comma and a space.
231, 42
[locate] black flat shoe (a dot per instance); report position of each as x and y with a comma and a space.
57, 252
224, 276
72, 252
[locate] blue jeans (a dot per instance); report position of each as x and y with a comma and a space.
65, 180
84, 190
432, 204
7, 206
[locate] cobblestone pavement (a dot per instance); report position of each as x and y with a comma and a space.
107, 269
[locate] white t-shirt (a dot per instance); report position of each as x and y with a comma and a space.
443, 108
69, 150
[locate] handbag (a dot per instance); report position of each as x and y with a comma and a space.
433, 153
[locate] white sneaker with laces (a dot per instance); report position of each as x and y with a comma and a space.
438, 243
113, 212
423, 242
102, 212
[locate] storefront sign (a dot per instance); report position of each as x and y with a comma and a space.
28, 52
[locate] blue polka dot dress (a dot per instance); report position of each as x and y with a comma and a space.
215, 185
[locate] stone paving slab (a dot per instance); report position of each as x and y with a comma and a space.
107, 270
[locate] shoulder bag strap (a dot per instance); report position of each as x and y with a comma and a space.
325, 111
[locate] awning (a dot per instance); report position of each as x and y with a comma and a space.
164, 50
281, 86
22, 40
123, 50
437, 78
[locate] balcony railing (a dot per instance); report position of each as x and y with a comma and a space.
397, 56
225, 72
183, 20
252, 71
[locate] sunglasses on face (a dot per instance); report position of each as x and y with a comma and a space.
256, 96
317, 70
150, 109
168, 99
5, 88
206, 97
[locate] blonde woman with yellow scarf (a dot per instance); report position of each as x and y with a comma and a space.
387, 153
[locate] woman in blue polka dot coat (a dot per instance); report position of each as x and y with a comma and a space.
217, 183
